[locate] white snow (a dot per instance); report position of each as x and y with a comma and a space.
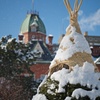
68, 98
52, 86
97, 61
39, 97
50, 92
80, 92
50, 35
71, 44
42, 83
18, 51
10, 40
84, 75
3, 46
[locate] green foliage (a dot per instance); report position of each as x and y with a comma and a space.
69, 88
82, 98
46, 86
15, 57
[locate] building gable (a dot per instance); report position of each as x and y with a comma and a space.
38, 48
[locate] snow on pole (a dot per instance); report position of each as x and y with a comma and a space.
74, 48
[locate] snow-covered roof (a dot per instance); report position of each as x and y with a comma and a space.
10, 40
50, 35
34, 24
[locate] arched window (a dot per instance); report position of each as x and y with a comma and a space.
33, 28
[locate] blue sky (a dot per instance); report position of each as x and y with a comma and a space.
52, 12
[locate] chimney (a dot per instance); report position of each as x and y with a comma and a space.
86, 33
20, 37
50, 38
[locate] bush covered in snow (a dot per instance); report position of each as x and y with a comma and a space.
15, 57
82, 83
15, 60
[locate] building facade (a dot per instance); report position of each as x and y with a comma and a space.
94, 43
97, 62
33, 30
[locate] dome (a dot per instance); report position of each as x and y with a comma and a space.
32, 19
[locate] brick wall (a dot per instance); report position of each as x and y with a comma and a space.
98, 65
40, 69
25, 38
28, 36
96, 51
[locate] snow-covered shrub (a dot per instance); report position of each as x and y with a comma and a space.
82, 83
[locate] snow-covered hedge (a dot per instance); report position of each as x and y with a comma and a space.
82, 83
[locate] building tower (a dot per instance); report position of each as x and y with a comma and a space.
32, 28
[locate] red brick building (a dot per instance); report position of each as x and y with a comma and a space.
40, 69
97, 62
33, 29
94, 42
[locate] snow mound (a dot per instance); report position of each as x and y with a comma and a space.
84, 75
39, 97
68, 98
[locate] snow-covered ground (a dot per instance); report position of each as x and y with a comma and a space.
39, 97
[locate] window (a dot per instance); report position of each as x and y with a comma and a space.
33, 37
33, 28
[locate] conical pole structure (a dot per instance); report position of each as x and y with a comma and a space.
73, 14
79, 53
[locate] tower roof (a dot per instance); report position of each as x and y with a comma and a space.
32, 19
